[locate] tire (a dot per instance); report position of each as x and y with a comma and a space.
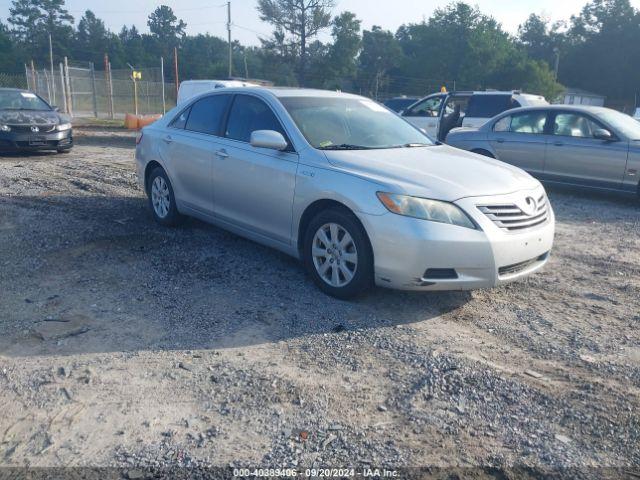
328, 266
484, 153
162, 200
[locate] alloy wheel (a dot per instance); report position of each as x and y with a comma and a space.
334, 255
160, 197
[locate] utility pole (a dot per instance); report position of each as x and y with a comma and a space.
229, 39
53, 84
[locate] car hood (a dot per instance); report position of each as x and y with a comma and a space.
438, 172
30, 117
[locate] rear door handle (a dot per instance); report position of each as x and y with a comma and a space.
168, 139
500, 140
559, 144
222, 153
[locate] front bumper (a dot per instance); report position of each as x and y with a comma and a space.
24, 142
413, 254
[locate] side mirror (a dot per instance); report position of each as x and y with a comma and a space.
268, 139
55, 109
602, 134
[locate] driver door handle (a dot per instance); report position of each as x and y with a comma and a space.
222, 153
500, 140
558, 143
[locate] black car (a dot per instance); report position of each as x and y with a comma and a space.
28, 123
398, 104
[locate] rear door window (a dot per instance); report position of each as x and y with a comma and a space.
529, 122
488, 106
207, 114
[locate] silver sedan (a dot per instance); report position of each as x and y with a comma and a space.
591, 147
354, 191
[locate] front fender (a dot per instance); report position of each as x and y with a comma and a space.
314, 183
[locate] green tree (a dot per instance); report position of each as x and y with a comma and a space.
8, 60
92, 38
380, 53
296, 22
164, 25
604, 51
167, 32
32, 21
343, 52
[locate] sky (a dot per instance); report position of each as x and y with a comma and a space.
209, 16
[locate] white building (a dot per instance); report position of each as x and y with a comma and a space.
577, 96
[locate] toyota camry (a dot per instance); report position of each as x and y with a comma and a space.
361, 196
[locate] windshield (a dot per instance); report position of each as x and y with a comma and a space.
17, 100
621, 123
338, 123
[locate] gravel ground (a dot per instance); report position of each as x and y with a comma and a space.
126, 344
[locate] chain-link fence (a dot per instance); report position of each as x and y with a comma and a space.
81, 90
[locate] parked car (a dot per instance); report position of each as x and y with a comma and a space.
579, 145
439, 113
28, 123
192, 88
339, 181
398, 104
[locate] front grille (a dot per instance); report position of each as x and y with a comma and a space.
27, 128
510, 217
521, 266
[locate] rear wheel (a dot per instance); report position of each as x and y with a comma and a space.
162, 200
337, 254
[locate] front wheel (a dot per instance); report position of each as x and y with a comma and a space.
338, 255
162, 200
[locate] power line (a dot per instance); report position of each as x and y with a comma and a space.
110, 12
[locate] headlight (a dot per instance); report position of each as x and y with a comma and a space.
5, 128
64, 126
425, 209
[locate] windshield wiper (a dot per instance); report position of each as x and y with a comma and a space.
414, 145
344, 146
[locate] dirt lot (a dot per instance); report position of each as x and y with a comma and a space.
126, 344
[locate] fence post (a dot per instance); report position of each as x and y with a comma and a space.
107, 85
64, 90
93, 90
46, 78
164, 105
67, 84
26, 73
111, 111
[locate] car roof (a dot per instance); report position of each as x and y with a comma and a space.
576, 108
293, 92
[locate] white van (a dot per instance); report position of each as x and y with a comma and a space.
439, 113
191, 88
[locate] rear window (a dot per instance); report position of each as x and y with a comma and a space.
488, 106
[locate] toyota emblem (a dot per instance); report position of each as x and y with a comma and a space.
530, 206
35, 129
